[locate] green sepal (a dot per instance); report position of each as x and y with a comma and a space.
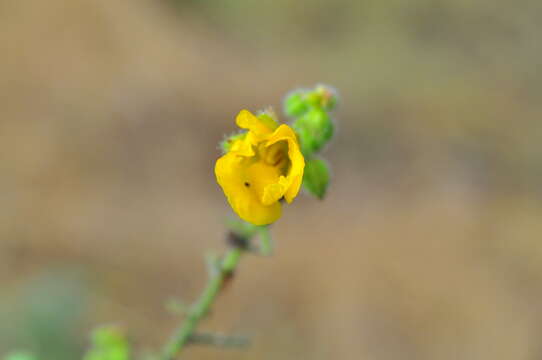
269, 118
108, 343
316, 177
225, 145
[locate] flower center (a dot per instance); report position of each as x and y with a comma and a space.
276, 155
266, 169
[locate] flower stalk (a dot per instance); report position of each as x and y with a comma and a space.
262, 167
182, 336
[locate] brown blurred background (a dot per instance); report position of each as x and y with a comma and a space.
427, 246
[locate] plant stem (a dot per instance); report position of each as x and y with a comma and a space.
201, 307
266, 244
219, 340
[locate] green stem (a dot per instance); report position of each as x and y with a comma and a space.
201, 307
266, 244
218, 340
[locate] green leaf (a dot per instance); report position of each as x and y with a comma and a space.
20, 355
316, 177
108, 343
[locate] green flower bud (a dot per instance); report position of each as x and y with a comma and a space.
314, 129
322, 97
327, 97
295, 104
316, 177
314, 99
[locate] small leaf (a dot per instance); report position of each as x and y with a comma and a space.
316, 177
108, 343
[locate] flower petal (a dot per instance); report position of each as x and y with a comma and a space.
246, 120
295, 173
252, 175
243, 146
231, 173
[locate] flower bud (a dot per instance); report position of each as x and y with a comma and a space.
316, 177
295, 104
327, 97
314, 129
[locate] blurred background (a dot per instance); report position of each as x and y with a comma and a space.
426, 247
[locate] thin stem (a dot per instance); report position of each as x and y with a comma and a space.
218, 340
266, 244
201, 307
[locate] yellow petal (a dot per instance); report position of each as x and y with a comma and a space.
272, 193
243, 147
295, 173
293, 190
232, 174
246, 120
252, 174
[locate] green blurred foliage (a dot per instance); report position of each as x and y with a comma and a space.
108, 343
20, 355
45, 316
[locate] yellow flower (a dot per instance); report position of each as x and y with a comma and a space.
261, 167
